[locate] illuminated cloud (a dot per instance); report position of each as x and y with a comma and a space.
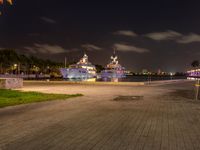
31, 49
48, 20
129, 48
192, 37
168, 35
91, 47
46, 49
72, 50
175, 36
125, 33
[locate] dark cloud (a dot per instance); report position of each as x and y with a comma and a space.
48, 20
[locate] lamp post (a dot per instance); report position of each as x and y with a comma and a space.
15, 68
171, 75
197, 89
149, 78
18, 69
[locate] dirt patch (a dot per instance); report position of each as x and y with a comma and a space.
188, 94
182, 96
128, 98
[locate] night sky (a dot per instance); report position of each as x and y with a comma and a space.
148, 34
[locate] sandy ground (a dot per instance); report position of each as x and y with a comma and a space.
165, 117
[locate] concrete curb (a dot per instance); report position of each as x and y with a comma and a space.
87, 83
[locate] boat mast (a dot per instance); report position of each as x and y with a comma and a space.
84, 51
114, 51
114, 57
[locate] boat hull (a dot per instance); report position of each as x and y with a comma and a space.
77, 73
112, 74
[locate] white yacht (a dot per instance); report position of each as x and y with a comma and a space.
113, 69
81, 70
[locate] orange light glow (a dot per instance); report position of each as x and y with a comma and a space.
10, 2
2, 2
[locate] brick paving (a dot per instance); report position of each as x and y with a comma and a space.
162, 120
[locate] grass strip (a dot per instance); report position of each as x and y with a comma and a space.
11, 97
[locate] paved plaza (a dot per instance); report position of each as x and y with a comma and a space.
107, 117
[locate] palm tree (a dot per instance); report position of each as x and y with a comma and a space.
11, 61
9, 1
195, 64
2, 2
7, 59
2, 61
24, 62
99, 68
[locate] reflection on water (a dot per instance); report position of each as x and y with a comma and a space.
131, 79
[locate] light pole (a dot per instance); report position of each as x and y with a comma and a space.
197, 90
15, 69
18, 69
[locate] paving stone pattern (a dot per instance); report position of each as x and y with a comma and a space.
160, 120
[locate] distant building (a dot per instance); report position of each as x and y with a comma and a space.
128, 72
159, 72
144, 71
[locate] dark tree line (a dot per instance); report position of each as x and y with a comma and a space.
195, 64
12, 62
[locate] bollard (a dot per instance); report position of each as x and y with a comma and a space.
197, 90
